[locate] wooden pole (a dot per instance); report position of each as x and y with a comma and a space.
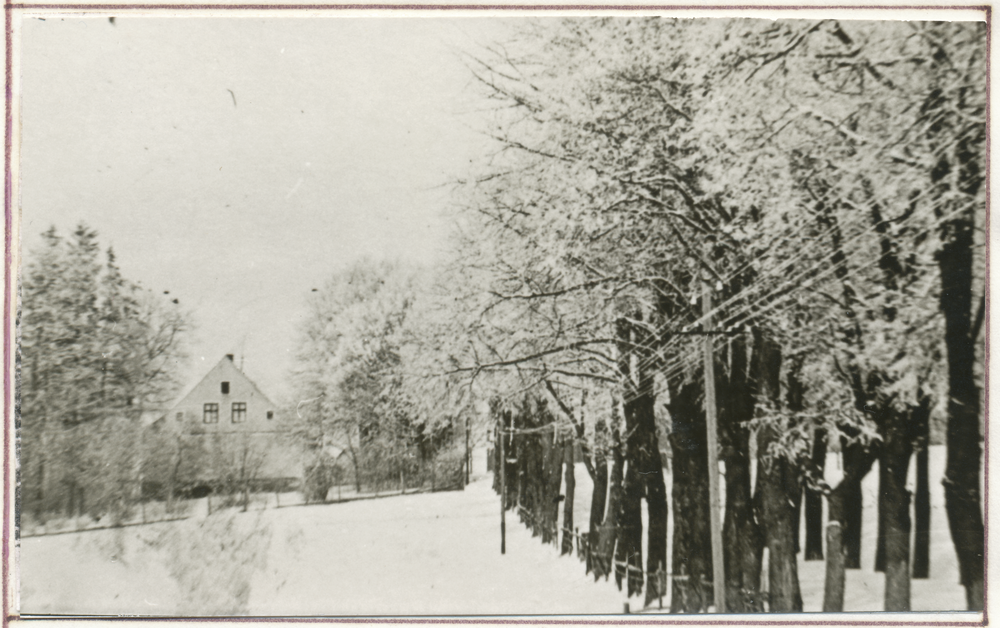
718, 566
503, 493
468, 453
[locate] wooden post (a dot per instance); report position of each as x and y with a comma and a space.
833, 592
503, 493
661, 584
718, 566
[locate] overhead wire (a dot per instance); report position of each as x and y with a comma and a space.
671, 369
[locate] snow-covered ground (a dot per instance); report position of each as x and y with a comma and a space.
407, 555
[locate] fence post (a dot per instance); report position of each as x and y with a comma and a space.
503, 494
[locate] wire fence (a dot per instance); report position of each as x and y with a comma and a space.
153, 512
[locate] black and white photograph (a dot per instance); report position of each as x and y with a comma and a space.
475, 313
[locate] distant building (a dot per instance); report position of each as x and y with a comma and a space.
231, 421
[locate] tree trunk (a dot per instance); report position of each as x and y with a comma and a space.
797, 513
691, 561
512, 464
833, 589
777, 488
960, 170
357, 470
922, 519
742, 538
553, 480
851, 521
963, 467
570, 481
644, 473
598, 499
743, 545
840, 502
897, 449
883, 488
534, 477
656, 542
814, 501
521, 494
609, 529
644, 477
496, 462
776, 481
628, 554
646, 454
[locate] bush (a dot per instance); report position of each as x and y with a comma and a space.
317, 483
449, 470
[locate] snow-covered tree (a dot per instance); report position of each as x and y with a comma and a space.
96, 351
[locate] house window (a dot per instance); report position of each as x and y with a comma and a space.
180, 416
225, 388
211, 414
270, 415
239, 411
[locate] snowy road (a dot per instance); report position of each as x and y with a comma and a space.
418, 555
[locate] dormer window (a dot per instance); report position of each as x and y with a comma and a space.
225, 388
270, 414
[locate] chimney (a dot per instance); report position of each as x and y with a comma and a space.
230, 356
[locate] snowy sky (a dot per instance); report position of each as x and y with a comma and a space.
238, 162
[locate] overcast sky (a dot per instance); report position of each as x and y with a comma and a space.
239, 162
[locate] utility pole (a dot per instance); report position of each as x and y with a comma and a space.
468, 453
503, 489
718, 566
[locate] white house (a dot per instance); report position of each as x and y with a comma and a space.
227, 410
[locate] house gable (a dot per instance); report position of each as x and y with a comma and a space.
238, 404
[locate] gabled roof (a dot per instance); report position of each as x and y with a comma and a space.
227, 365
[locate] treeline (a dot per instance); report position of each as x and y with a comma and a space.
804, 202
368, 410
97, 352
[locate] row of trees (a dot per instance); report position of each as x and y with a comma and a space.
810, 197
96, 352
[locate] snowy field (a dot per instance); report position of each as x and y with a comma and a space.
428, 554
